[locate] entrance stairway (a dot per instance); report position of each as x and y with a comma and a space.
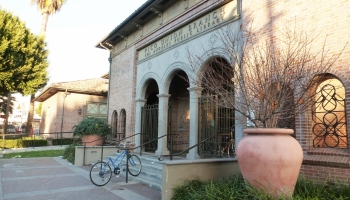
151, 173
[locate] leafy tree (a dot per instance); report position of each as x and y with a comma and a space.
23, 57
39, 108
47, 8
3, 104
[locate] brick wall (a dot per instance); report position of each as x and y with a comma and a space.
51, 118
326, 173
122, 88
323, 19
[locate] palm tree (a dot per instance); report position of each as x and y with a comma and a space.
47, 8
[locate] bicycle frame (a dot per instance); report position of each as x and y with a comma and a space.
112, 162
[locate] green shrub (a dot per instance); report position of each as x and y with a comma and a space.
22, 143
92, 126
69, 153
65, 141
235, 188
35, 143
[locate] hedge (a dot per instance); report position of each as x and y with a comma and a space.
65, 141
22, 143
19, 143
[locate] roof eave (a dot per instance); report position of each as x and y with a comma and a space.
50, 91
102, 43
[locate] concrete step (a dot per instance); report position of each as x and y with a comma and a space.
146, 178
151, 173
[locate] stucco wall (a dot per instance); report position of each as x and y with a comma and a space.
89, 155
175, 173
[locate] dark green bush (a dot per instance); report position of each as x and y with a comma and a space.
69, 152
65, 141
92, 126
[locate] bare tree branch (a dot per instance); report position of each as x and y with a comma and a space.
267, 82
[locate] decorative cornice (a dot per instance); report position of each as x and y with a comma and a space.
137, 25
158, 12
122, 36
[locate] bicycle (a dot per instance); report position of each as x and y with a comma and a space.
229, 148
101, 172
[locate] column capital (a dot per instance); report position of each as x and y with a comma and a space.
163, 95
195, 88
141, 100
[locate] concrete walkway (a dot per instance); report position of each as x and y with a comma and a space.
55, 178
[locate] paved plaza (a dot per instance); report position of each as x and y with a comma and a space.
55, 178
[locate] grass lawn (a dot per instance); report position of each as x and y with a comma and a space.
35, 154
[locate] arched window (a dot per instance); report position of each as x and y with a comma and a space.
328, 114
122, 122
114, 124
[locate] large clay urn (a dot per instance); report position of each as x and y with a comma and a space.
270, 160
92, 140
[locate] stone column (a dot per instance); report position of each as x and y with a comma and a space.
238, 128
139, 104
195, 93
163, 123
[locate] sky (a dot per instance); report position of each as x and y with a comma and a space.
73, 33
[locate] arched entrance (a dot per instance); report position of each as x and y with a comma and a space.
149, 118
215, 118
179, 111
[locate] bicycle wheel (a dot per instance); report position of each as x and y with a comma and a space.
100, 173
231, 150
134, 165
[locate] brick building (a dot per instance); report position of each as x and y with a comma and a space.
65, 104
149, 58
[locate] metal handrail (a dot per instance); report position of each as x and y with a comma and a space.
178, 154
171, 142
33, 135
56, 133
84, 143
140, 146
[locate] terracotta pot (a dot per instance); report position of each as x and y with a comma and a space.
270, 160
92, 140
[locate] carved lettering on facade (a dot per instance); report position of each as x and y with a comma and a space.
196, 27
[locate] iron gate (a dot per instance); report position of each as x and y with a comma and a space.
214, 120
149, 126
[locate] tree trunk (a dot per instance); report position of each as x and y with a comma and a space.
44, 23
6, 119
30, 114
31, 106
